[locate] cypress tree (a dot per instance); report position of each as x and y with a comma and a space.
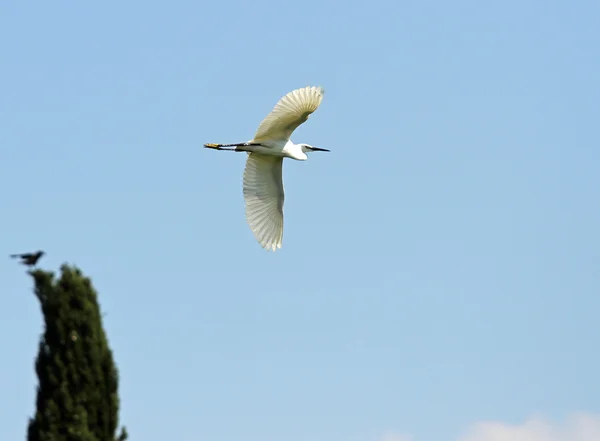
77, 395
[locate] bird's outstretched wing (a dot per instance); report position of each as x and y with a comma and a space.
291, 111
263, 194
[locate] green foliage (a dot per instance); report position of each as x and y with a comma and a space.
77, 396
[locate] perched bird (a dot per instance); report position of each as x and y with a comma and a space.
29, 259
263, 183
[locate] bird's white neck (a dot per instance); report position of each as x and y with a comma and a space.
294, 151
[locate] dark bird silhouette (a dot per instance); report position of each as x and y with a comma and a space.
29, 259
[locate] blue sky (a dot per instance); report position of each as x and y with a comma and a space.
439, 267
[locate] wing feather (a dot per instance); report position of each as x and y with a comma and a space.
291, 111
264, 195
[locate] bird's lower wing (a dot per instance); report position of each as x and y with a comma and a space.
263, 194
291, 111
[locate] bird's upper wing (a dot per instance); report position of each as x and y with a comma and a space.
263, 194
291, 111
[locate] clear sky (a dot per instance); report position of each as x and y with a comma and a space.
439, 269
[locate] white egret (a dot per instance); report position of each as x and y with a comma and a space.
263, 183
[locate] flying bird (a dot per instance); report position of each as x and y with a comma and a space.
263, 182
29, 259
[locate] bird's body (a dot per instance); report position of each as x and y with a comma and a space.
279, 149
263, 183
29, 259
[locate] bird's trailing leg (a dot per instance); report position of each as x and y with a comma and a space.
239, 147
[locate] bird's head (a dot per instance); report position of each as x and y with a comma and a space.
306, 148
